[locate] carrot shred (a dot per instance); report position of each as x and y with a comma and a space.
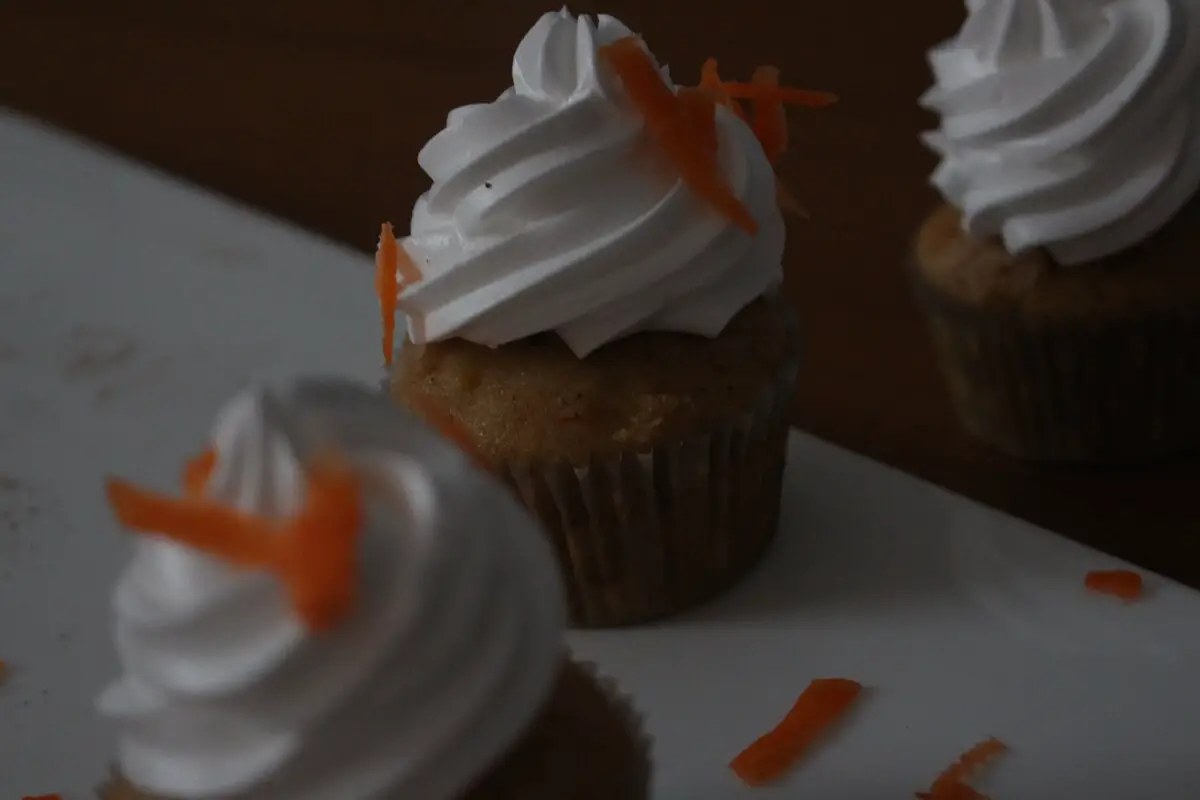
710, 81
313, 554
700, 109
394, 272
674, 129
770, 123
1123, 583
773, 753
953, 784
197, 472
387, 268
779, 94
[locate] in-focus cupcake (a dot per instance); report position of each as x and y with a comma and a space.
592, 291
1060, 279
342, 607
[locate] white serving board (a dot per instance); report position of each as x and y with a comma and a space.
131, 306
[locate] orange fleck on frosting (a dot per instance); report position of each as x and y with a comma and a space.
772, 754
1123, 583
953, 783
313, 554
394, 271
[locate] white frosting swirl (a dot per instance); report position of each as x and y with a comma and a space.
453, 646
551, 210
1072, 125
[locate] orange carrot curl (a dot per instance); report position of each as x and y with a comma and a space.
312, 554
394, 271
1123, 583
686, 131
953, 783
197, 472
774, 753
770, 123
675, 128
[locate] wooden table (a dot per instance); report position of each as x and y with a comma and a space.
316, 114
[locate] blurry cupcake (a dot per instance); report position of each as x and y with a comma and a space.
592, 291
342, 607
1060, 281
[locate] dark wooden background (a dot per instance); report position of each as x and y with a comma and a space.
314, 110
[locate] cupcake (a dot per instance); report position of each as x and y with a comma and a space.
1059, 279
591, 287
341, 606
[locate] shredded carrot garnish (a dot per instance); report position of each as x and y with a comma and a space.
773, 753
674, 128
710, 81
394, 271
197, 471
313, 554
770, 123
779, 94
387, 289
700, 109
1123, 583
953, 783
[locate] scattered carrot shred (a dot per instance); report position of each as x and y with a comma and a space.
770, 123
197, 472
953, 783
313, 554
394, 271
710, 81
773, 753
1123, 583
674, 128
684, 125
387, 269
699, 107
779, 94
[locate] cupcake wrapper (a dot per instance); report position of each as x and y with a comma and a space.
1087, 391
645, 535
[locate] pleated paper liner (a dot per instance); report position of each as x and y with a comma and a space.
587, 743
641, 536
1096, 391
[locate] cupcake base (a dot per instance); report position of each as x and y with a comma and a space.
1097, 364
587, 744
655, 465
